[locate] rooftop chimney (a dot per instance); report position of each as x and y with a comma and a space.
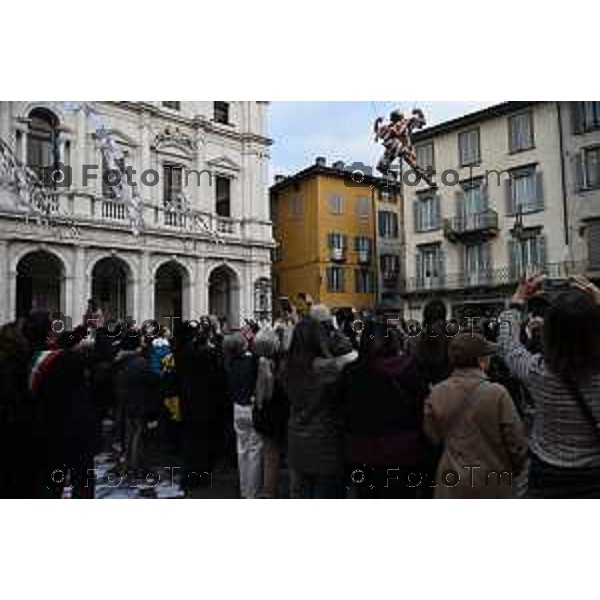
321, 161
339, 164
279, 178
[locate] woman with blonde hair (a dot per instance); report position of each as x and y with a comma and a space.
271, 409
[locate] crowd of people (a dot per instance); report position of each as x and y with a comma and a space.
316, 405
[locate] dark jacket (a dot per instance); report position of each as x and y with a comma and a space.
242, 372
17, 431
315, 428
383, 402
137, 387
66, 417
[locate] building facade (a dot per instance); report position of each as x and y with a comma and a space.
338, 239
581, 163
206, 238
507, 197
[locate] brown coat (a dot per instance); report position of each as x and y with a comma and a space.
485, 439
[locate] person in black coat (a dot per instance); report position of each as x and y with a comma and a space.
383, 394
17, 418
65, 417
201, 387
137, 392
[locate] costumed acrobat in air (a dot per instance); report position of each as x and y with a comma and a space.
396, 138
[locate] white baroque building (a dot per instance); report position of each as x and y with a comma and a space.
204, 247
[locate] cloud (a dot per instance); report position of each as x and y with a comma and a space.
302, 131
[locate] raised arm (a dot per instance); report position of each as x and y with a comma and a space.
519, 360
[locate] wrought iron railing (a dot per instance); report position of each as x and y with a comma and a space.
486, 220
492, 277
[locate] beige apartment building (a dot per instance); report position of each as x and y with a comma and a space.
516, 186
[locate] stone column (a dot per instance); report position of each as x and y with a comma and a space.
80, 292
146, 284
199, 298
246, 292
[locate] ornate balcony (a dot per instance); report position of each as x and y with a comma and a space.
473, 227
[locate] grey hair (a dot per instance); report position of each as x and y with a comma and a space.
266, 343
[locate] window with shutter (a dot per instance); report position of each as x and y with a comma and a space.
363, 206
335, 279
511, 209
363, 281
476, 264
427, 210
223, 196
472, 204
524, 190
593, 245
513, 260
172, 186
425, 157
591, 115
430, 265
520, 129
221, 112
416, 216
468, 147
577, 116
591, 168
335, 204
388, 224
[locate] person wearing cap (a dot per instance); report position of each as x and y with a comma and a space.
476, 424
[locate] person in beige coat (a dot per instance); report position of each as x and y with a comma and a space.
477, 426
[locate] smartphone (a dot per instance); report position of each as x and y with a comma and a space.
555, 284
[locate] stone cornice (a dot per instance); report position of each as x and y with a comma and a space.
196, 122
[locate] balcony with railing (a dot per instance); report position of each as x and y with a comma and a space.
469, 227
113, 210
487, 278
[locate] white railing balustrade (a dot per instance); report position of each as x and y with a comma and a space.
114, 211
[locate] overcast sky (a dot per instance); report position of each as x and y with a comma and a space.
340, 130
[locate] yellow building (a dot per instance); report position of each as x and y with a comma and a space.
327, 235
